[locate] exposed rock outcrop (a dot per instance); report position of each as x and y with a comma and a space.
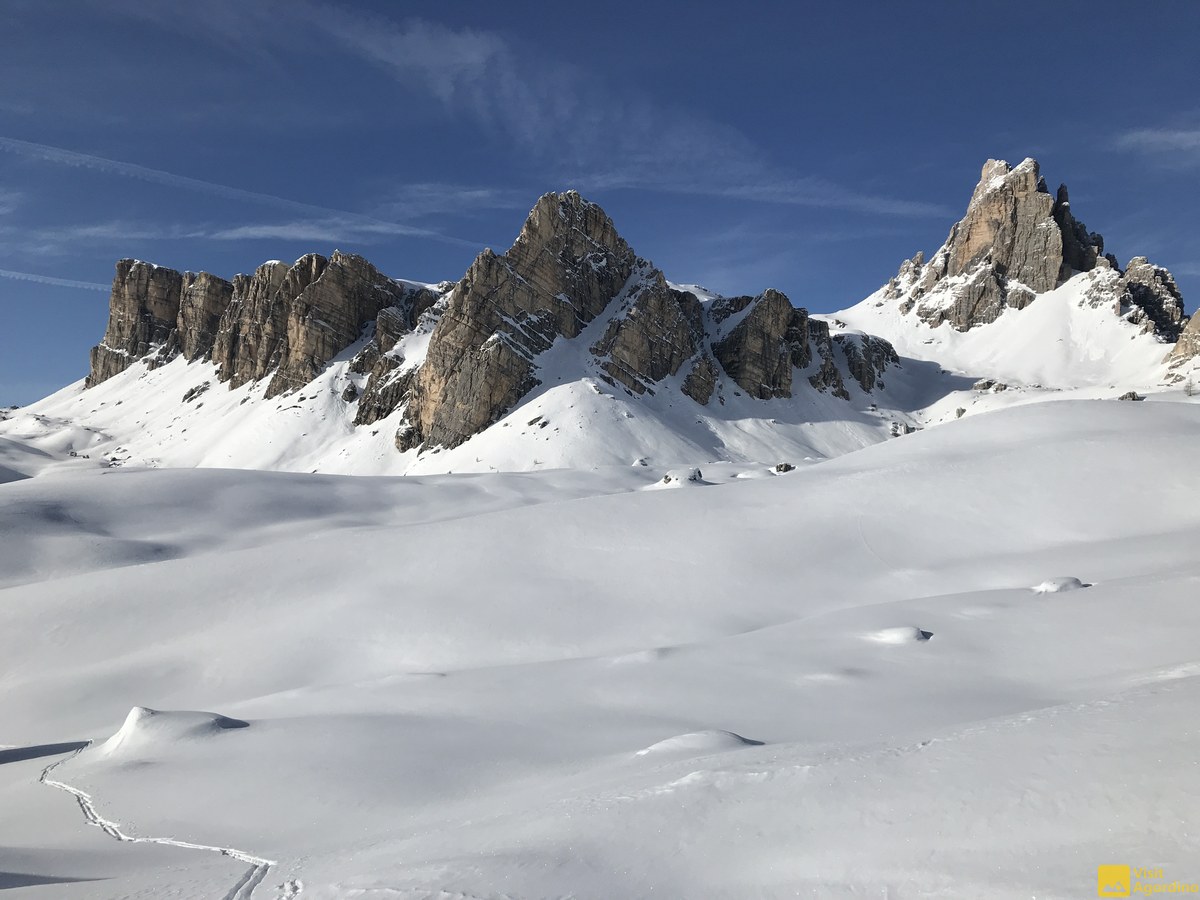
143, 315
283, 321
768, 341
291, 320
1150, 298
566, 266
203, 302
867, 358
659, 330
1188, 346
1015, 243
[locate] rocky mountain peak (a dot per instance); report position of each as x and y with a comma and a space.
566, 265
1017, 242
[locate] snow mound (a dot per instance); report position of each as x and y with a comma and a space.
713, 741
903, 634
146, 728
1058, 585
654, 654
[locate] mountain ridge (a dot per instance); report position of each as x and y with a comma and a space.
1021, 293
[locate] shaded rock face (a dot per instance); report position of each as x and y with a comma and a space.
867, 358
1081, 249
768, 341
1151, 298
565, 267
143, 315
390, 380
659, 330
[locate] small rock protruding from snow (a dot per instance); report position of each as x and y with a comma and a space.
693, 476
782, 467
902, 634
1058, 585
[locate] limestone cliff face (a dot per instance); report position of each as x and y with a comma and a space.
565, 267
652, 336
143, 315
390, 378
768, 341
203, 302
283, 321
288, 321
1016, 242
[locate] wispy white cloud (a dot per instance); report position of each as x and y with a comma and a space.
322, 230
410, 201
9, 200
1162, 140
61, 156
60, 239
578, 131
57, 282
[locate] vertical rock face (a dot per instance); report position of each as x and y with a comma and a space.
283, 321
1151, 298
1080, 247
291, 320
204, 300
867, 357
390, 381
565, 267
143, 314
1009, 226
769, 339
1014, 242
1188, 346
653, 337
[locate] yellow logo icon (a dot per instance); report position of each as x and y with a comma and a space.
1113, 881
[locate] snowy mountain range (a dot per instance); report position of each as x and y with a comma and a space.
571, 350
679, 596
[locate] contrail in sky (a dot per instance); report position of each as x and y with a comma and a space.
57, 282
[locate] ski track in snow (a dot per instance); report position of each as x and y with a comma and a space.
246, 885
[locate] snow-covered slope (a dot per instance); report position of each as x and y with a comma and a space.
573, 419
843, 681
1067, 338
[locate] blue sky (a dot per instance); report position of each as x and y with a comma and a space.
795, 145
